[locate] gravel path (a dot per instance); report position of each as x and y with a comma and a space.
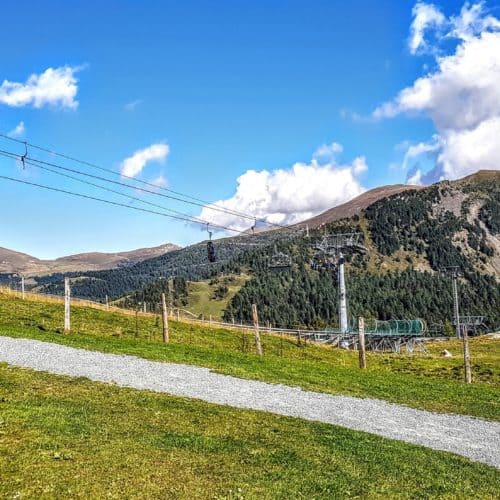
473, 438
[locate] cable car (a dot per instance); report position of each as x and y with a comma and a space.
280, 261
212, 257
211, 252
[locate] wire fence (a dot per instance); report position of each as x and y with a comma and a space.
381, 335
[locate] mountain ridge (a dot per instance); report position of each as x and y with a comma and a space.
356, 205
12, 261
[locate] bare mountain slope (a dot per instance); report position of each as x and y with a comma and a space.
355, 206
17, 262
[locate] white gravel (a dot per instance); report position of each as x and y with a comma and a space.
474, 438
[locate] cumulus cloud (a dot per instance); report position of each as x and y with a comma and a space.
53, 87
472, 21
462, 97
133, 165
425, 16
18, 130
287, 196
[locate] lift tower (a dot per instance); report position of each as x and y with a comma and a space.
331, 251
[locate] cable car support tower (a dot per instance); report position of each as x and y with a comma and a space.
331, 252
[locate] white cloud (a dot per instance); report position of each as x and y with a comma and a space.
462, 97
160, 181
54, 87
472, 21
18, 130
415, 150
425, 16
415, 179
133, 165
468, 150
130, 106
347, 114
287, 196
327, 151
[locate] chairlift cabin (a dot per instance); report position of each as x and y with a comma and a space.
211, 252
212, 257
280, 261
322, 260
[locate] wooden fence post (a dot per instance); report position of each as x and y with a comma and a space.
107, 303
255, 317
23, 295
67, 306
136, 323
164, 318
465, 340
361, 343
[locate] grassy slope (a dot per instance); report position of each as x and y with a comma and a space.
200, 295
423, 381
71, 438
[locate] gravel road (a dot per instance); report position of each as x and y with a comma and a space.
476, 439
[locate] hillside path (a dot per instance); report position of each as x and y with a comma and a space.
474, 438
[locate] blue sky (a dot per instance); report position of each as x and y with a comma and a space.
230, 88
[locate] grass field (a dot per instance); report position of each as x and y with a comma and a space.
426, 381
72, 438
201, 295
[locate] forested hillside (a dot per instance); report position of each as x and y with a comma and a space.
189, 263
410, 237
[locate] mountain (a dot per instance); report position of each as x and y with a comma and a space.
410, 234
17, 262
410, 237
355, 206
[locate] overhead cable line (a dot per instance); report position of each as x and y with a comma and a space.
109, 202
32, 161
194, 200
29, 162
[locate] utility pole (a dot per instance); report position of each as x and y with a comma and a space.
67, 306
455, 300
342, 297
164, 316
170, 292
454, 273
255, 317
461, 330
361, 343
23, 296
467, 369
171, 295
